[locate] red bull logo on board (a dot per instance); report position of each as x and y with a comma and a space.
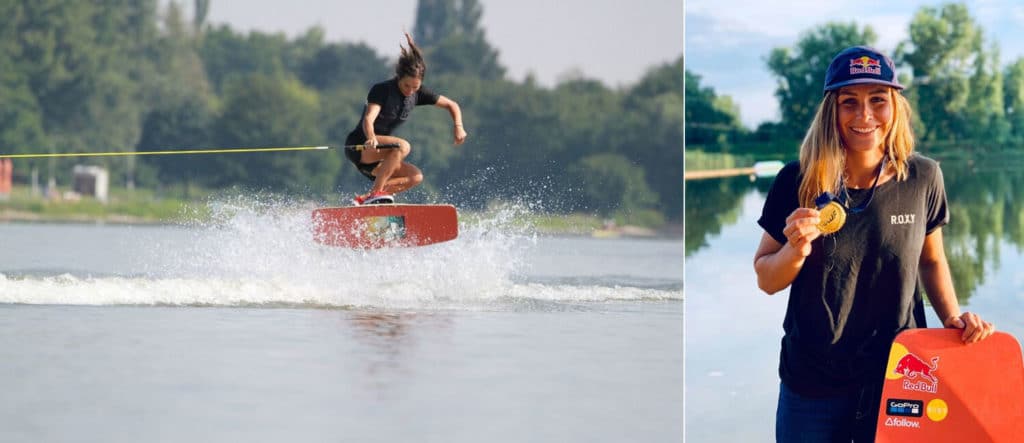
865, 65
917, 373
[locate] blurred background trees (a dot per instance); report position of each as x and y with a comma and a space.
128, 75
963, 95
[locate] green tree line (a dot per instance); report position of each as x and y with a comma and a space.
962, 95
139, 75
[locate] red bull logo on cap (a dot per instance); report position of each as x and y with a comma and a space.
865, 65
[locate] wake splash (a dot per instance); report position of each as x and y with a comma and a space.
67, 289
259, 252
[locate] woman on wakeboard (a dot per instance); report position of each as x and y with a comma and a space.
388, 105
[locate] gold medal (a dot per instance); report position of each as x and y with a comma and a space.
832, 218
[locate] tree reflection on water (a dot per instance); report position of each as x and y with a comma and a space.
710, 205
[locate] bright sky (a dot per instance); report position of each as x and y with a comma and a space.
728, 41
610, 40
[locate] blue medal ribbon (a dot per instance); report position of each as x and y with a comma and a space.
844, 196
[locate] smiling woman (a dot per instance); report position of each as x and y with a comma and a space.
865, 113
854, 289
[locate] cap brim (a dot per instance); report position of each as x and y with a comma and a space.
863, 81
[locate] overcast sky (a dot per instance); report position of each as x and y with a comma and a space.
728, 41
613, 41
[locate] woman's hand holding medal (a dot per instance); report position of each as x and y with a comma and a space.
801, 229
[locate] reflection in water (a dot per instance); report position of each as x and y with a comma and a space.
712, 204
985, 212
392, 339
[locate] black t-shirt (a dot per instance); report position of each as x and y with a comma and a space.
394, 108
859, 287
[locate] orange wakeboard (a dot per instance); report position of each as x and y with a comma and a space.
386, 225
938, 389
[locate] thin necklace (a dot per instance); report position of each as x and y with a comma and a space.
844, 195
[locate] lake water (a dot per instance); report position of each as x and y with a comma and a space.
242, 329
733, 329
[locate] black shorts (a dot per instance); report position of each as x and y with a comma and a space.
354, 156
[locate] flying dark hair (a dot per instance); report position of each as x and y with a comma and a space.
410, 63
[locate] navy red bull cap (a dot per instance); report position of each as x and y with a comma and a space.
858, 65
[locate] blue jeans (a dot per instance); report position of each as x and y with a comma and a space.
843, 418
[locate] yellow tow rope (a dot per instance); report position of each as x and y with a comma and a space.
191, 151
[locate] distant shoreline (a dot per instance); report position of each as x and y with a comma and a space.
8, 216
669, 231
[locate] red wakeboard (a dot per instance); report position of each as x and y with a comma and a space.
937, 389
386, 225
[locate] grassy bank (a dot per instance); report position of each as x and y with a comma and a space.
123, 206
697, 160
143, 206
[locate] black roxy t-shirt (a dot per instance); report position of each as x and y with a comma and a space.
859, 287
394, 108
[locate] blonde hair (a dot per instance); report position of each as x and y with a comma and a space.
823, 158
